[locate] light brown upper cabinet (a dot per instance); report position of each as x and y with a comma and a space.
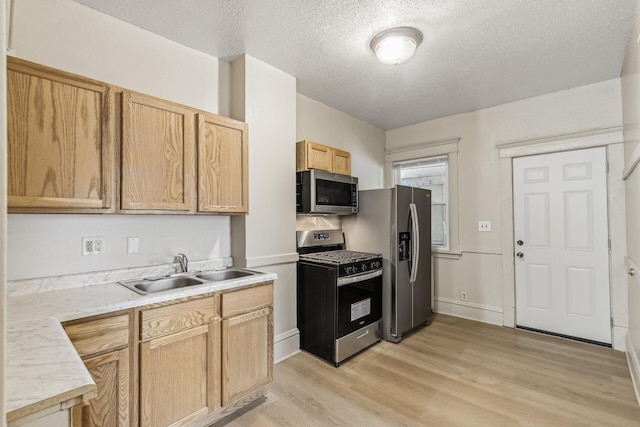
80, 145
157, 154
311, 155
341, 162
60, 141
222, 165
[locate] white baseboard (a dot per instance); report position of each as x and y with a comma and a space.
469, 310
634, 366
286, 344
618, 338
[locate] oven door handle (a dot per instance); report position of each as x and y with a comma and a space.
359, 278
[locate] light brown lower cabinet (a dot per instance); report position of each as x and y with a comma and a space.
110, 371
103, 344
177, 377
179, 362
195, 360
247, 341
247, 348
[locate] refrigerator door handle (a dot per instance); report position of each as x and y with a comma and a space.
415, 242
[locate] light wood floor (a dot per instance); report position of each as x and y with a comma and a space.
455, 372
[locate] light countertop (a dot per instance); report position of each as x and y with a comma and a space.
43, 369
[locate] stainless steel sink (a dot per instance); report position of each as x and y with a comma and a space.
219, 276
146, 286
165, 283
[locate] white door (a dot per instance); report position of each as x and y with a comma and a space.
561, 243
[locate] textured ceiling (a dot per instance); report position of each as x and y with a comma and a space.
475, 53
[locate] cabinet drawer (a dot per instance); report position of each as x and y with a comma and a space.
245, 300
173, 318
100, 335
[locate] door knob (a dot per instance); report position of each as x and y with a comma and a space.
520, 255
520, 243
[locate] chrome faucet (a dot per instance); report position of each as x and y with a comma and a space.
183, 261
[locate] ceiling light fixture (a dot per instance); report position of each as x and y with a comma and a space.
396, 45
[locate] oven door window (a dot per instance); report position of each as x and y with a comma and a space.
332, 193
359, 304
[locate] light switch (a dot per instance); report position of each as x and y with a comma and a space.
133, 245
484, 225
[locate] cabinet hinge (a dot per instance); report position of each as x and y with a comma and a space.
609, 244
607, 164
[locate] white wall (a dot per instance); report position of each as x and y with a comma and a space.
631, 116
564, 112
68, 36
320, 123
50, 245
478, 269
75, 38
265, 98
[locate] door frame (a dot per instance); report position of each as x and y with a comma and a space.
612, 139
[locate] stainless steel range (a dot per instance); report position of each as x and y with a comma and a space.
339, 296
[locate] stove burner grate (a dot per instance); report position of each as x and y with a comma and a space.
338, 257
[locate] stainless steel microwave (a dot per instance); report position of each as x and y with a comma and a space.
320, 192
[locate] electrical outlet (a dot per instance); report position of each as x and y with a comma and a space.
484, 225
92, 245
133, 245
463, 295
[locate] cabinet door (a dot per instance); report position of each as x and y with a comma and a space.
222, 165
317, 156
178, 377
247, 353
59, 147
157, 154
341, 162
111, 407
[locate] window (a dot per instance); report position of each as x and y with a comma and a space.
430, 173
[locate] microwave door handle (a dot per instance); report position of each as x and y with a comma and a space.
415, 242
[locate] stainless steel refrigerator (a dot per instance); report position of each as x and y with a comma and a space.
396, 222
